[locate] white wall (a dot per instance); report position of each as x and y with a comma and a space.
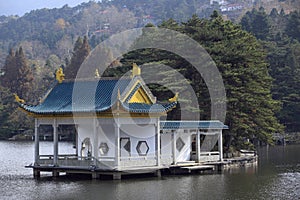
184, 154
138, 133
167, 145
106, 134
84, 131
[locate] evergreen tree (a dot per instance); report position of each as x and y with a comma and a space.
257, 23
9, 69
24, 76
17, 76
285, 69
242, 63
6, 100
80, 52
293, 25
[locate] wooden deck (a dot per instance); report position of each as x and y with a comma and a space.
189, 167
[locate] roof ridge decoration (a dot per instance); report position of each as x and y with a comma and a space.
137, 91
97, 74
59, 74
18, 99
136, 70
175, 98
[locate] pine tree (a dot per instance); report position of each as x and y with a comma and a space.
244, 68
293, 25
24, 76
80, 52
257, 23
6, 100
9, 70
18, 77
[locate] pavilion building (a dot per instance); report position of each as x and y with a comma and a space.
117, 129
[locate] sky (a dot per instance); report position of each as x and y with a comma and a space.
20, 7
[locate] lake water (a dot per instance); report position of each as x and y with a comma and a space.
277, 176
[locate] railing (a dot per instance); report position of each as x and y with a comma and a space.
73, 161
138, 161
207, 156
67, 160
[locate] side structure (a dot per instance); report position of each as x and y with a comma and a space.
117, 127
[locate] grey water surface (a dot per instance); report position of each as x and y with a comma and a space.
277, 176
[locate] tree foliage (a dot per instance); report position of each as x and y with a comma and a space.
18, 79
293, 25
257, 23
244, 68
282, 46
80, 52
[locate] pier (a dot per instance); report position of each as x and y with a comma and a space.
183, 168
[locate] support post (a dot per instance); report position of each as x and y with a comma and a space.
55, 173
174, 146
158, 154
76, 140
220, 145
117, 176
36, 173
95, 175
95, 145
198, 146
36, 142
55, 143
157, 173
117, 145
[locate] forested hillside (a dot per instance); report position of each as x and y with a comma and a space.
51, 33
258, 56
280, 35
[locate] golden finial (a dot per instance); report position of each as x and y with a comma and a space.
97, 75
175, 98
18, 99
60, 75
136, 70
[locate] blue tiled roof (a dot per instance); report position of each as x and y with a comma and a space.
146, 108
172, 125
89, 96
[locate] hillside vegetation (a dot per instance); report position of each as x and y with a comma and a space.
257, 54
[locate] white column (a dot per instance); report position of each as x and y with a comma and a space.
36, 142
174, 146
95, 136
220, 145
198, 146
55, 143
158, 154
76, 140
117, 145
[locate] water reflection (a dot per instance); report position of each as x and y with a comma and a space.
277, 176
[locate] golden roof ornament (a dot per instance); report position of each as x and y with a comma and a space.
18, 99
60, 76
136, 70
175, 98
97, 74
